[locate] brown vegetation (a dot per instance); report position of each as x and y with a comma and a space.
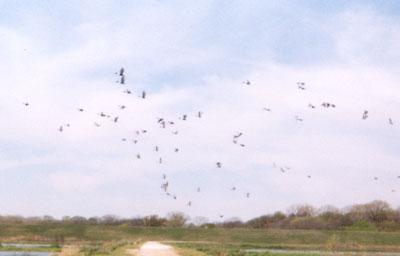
375, 215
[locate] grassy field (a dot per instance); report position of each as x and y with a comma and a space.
112, 240
52, 234
113, 248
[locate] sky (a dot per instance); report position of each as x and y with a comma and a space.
191, 56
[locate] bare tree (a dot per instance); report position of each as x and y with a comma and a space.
154, 221
109, 219
199, 220
376, 211
302, 210
233, 222
177, 219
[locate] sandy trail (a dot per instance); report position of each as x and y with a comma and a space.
154, 249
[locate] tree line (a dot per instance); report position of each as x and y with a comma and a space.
375, 215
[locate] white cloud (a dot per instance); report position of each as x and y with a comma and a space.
334, 146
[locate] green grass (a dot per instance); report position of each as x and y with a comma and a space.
253, 237
114, 248
36, 249
213, 249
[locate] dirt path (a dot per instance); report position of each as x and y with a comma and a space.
154, 249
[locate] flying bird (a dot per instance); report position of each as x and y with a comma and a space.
219, 164
25, 104
246, 82
116, 119
163, 124
311, 105
328, 105
301, 85
138, 156
164, 186
127, 91
267, 109
80, 109
390, 121
161, 121
365, 115
298, 118
237, 135
121, 72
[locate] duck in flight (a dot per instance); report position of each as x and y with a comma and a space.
328, 105
365, 115
301, 85
298, 118
121, 72
122, 81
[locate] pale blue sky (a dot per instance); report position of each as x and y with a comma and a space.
191, 56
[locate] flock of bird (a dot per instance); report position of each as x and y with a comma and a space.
164, 123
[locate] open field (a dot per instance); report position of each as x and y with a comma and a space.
216, 249
244, 238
